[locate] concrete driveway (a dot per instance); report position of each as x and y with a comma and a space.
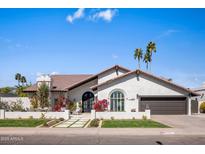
192, 123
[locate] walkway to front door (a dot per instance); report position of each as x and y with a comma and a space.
76, 121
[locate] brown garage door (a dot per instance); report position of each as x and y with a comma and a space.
164, 105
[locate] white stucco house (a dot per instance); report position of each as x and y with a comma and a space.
125, 91
201, 91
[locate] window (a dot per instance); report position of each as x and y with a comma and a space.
117, 101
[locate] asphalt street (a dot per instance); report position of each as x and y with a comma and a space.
99, 139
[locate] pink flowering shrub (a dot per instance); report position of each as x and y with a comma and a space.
101, 105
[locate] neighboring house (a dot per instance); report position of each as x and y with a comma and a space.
201, 91
8, 95
125, 90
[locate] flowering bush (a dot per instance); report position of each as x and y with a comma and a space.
60, 103
101, 105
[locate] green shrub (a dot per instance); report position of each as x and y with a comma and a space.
144, 117
112, 118
17, 106
202, 107
45, 124
34, 102
72, 106
4, 105
42, 116
94, 123
30, 117
133, 118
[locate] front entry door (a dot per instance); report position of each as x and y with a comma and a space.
87, 101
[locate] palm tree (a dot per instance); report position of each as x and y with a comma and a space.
23, 80
147, 59
18, 77
151, 47
138, 54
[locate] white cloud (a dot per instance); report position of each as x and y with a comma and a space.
77, 15
54, 73
114, 56
39, 73
192, 80
106, 15
167, 33
7, 40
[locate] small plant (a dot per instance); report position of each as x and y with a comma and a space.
112, 118
133, 118
144, 117
17, 106
30, 117
19, 118
42, 116
94, 123
72, 106
4, 105
45, 124
61, 119
202, 107
101, 119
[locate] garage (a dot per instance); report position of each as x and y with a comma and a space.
161, 105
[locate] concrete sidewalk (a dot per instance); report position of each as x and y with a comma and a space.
101, 131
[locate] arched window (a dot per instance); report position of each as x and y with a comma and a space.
117, 100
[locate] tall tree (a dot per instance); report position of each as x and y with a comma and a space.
151, 47
43, 94
18, 78
5, 90
23, 80
138, 54
147, 59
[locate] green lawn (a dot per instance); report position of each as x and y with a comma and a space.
132, 124
21, 122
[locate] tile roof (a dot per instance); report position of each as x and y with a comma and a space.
116, 67
32, 88
66, 82
150, 75
61, 82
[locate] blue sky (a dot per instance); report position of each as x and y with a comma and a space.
72, 41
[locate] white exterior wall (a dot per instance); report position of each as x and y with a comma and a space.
120, 115
36, 115
57, 94
26, 103
109, 75
77, 93
131, 87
